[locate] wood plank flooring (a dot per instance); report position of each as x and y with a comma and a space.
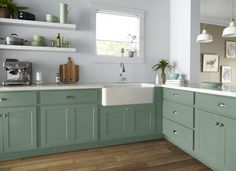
142, 156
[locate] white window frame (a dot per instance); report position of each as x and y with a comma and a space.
112, 59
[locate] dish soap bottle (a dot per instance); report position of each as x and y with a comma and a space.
58, 40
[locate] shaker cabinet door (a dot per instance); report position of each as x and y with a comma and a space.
1, 134
85, 123
210, 138
19, 125
56, 126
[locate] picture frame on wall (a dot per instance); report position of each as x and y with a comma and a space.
210, 63
226, 74
230, 49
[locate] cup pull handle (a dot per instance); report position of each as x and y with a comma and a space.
221, 104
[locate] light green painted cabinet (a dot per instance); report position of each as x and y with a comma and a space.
230, 145
63, 125
85, 123
56, 126
210, 138
18, 129
127, 121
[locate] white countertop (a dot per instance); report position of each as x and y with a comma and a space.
229, 90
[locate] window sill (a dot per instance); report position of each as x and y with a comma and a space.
117, 60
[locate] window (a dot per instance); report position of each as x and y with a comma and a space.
118, 34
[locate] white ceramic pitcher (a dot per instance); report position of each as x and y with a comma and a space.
64, 12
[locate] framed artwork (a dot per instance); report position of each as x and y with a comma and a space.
226, 74
230, 49
210, 63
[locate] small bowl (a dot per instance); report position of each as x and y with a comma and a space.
51, 18
174, 76
38, 38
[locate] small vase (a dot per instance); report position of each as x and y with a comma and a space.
163, 76
5, 13
157, 79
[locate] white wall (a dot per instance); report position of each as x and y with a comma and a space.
157, 40
185, 26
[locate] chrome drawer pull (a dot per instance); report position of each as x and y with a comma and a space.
175, 95
127, 109
3, 99
131, 109
221, 104
70, 97
175, 132
175, 112
221, 125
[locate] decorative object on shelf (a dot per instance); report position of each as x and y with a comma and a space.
69, 73
204, 37
9, 8
38, 40
226, 74
58, 40
64, 12
210, 63
175, 82
13, 39
230, 31
22, 15
58, 78
230, 49
162, 65
38, 78
51, 18
173, 76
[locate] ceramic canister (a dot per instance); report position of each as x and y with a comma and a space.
64, 11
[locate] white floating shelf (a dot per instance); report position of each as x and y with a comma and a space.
38, 24
36, 48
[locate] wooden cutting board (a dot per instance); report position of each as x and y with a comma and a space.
69, 73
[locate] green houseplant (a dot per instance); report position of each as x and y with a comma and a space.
8, 8
162, 65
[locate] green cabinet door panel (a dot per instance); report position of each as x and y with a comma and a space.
178, 134
86, 123
210, 138
179, 96
127, 121
178, 113
18, 99
230, 153
19, 127
1, 134
56, 126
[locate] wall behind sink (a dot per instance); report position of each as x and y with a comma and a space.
157, 40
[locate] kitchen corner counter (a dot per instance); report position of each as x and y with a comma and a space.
226, 90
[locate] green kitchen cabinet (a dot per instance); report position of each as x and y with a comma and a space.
1, 134
19, 129
85, 122
127, 121
230, 145
57, 126
210, 138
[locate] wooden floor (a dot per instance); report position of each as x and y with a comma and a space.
143, 156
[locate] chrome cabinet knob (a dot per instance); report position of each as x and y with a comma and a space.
175, 112
221, 125
175, 95
70, 97
175, 132
5, 115
221, 104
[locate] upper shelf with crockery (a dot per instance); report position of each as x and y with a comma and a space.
38, 24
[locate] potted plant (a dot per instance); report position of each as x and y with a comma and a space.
162, 65
9, 8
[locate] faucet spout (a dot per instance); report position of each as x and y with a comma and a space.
122, 71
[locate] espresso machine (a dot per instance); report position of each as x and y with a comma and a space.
17, 73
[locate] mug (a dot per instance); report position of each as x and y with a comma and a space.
64, 12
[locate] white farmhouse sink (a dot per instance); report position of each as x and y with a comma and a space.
127, 93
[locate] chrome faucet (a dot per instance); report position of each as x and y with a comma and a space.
122, 71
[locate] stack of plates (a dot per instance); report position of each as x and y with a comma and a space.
175, 82
38, 41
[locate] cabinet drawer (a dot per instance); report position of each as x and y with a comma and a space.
180, 135
179, 96
18, 99
216, 104
178, 113
71, 96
